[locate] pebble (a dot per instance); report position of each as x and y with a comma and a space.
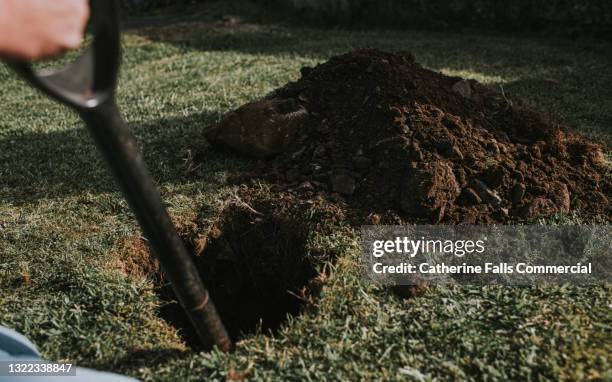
488, 195
536, 152
374, 218
493, 148
504, 212
494, 198
471, 196
457, 153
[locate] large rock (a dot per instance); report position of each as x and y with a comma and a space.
260, 129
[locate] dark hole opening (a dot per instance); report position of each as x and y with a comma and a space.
257, 271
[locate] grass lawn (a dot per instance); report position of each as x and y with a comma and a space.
64, 225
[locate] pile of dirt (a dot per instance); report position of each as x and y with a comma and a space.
392, 142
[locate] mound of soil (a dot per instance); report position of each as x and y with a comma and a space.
392, 142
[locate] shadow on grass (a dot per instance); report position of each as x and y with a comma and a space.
569, 102
567, 78
60, 164
563, 77
272, 37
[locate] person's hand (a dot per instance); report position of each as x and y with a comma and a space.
35, 29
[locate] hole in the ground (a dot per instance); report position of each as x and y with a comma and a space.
256, 268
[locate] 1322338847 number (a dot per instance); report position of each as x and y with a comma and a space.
37, 368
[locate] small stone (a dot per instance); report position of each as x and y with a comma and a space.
343, 183
374, 218
215, 232
493, 148
200, 243
494, 176
536, 152
488, 195
518, 192
495, 199
457, 153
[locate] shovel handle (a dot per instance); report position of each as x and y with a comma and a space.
88, 86
118, 147
92, 77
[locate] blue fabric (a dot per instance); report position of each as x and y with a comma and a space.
13, 343
15, 347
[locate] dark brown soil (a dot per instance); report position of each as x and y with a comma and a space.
391, 142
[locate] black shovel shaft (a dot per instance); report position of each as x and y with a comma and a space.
118, 147
88, 86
